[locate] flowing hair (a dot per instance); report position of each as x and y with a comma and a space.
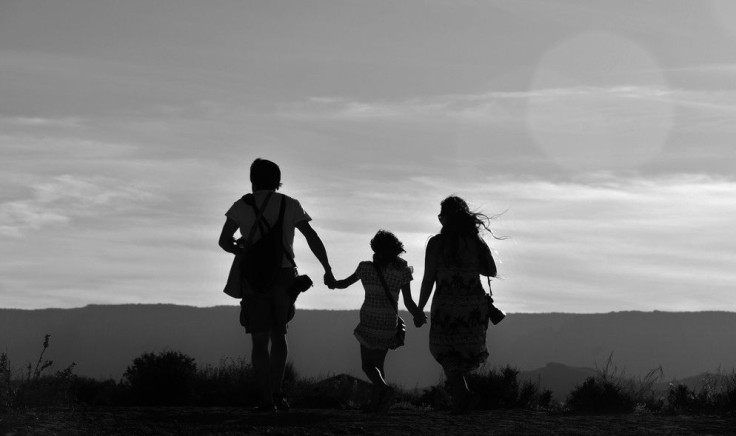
387, 250
460, 225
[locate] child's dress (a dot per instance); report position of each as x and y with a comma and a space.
378, 318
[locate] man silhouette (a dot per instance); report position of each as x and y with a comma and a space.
266, 311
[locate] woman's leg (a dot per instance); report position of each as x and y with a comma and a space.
458, 389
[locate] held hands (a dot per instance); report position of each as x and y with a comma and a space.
420, 319
329, 279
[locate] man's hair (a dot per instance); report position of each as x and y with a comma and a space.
265, 174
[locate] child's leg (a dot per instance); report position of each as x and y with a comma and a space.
382, 394
372, 362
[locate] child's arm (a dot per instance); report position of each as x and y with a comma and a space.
419, 316
344, 283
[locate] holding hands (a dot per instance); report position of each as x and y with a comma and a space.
420, 318
329, 279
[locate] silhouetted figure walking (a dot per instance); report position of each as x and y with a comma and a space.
459, 313
379, 321
268, 307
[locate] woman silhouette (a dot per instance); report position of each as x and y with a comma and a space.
454, 260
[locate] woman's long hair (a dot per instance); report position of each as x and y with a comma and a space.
460, 226
386, 250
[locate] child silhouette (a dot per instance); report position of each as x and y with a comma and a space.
382, 280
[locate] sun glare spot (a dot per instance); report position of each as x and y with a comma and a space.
724, 13
595, 103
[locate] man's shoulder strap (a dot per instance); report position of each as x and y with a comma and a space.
250, 200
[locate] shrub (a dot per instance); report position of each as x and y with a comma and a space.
6, 390
168, 378
94, 392
232, 383
610, 391
497, 389
501, 389
36, 388
716, 393
600, 395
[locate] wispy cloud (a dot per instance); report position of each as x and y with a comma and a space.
502, 106
63, 198
40, 122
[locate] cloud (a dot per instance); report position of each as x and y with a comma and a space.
41, 122
66, 197
620, 104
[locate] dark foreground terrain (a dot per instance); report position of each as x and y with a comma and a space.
400, 421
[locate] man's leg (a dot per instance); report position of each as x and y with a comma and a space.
261, 366
280, 304
279, 354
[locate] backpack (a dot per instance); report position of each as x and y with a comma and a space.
262, 259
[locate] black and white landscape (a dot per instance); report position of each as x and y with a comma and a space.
558, 349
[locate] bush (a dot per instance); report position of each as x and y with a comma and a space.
497, 389
232, 383
165, 379
612, 392
716, 393
501, 389
94, 392
600, 395
6, 390
36, 388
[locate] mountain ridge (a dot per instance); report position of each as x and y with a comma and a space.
104, 339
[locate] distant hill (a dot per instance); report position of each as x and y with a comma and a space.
103, 341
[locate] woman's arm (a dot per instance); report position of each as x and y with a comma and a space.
408, 300
344, 283
430, 272
487, 264
419, 316
227, 242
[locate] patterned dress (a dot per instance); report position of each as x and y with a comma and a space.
378, 319
459, 315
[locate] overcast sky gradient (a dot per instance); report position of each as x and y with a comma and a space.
604, 129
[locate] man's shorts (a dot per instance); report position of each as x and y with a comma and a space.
268, 311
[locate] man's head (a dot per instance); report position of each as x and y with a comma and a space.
265, 175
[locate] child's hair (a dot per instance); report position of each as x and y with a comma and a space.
386, 249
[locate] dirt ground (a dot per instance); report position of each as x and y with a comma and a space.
406, 421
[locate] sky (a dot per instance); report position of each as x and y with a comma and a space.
599, 133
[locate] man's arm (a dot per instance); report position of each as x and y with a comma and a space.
317, 247
227, 242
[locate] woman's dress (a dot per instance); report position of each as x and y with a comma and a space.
378, 318
459, 314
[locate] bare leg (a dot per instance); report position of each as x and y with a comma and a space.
459, 389
279, 354
260, 360
381, 395
372, 362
